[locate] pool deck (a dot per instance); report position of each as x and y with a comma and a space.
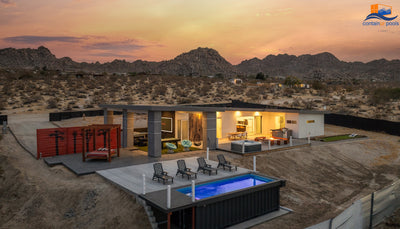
180, 200
296, 143
130, 177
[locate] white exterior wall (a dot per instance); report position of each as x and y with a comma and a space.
291, 126
300, 129
228, 122
315, 129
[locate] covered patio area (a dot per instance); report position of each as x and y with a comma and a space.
165, 124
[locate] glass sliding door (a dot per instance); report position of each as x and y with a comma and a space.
184, 129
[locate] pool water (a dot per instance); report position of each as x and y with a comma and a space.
224, 186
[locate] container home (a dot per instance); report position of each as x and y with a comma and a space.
206, 125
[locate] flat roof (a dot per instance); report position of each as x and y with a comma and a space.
161, 108
235, 105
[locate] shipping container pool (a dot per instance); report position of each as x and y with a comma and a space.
224, 186
219, 203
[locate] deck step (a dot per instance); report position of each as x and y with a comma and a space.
149, 212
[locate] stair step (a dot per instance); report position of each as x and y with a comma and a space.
154, 225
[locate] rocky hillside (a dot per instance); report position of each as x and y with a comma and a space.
201, 61
29, 58
205, 61
319, 66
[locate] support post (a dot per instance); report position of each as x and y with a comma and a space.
371, 213
105, 114
308, 139
169, 196
193, 217
154, 133
243, 148
124, 128
210, 129
4, 127
193, 191
130, 129
290, 141
108, 116
208, 153
144, 184
269, 144
254, 163
169, 220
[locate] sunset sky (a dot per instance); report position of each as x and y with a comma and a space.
154, 30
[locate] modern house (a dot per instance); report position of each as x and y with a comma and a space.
207, 124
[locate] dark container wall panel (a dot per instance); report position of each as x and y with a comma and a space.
59, 116
237, 209
3, 118
54, 117
368, 124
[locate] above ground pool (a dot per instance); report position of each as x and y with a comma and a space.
224, 186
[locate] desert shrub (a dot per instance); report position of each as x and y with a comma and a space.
52, 103
159, 90
291, 81
288, 92
296, 102
252, 95
260, 76
317, 85
185, 100
383, 95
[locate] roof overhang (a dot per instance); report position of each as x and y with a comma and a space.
146, 108
161, 108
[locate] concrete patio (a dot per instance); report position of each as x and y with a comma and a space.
225, 145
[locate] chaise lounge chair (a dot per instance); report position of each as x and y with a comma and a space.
159, 173
205, 167
182, 169
224, 163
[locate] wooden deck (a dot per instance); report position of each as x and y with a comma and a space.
130, 177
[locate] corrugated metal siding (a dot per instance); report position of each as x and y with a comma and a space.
237, 209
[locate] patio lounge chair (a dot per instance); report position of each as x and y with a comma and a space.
224, 163
182, 169
205, 167
159, 173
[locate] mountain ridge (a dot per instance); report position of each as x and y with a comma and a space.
207, 61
